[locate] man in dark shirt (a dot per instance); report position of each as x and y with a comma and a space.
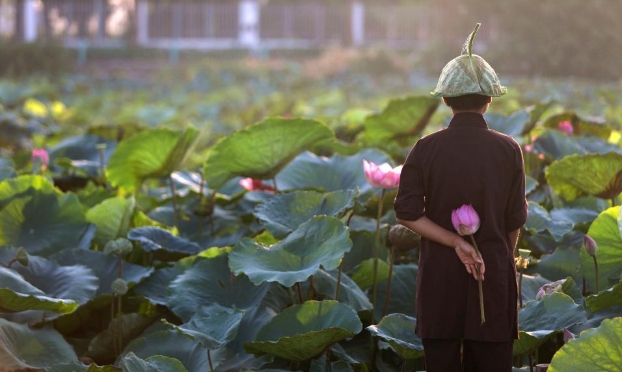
465, 163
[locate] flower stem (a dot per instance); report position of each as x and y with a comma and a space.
299, 289
479, 283
209, 360
172, 187
341, 264
387, 297
596, 272
520, 289
376, 253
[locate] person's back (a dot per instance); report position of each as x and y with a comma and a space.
465, 164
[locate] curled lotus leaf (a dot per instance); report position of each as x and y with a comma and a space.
398, 330
304, 331
213, 327
321, 241
157, 363
262, 150
592, 174
580, 126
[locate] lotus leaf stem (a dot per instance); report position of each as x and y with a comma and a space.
596, 273
209, 360
387, 297
479, 283
530, 363
299, 289
341, 264
172, 187
377, 252
520, 288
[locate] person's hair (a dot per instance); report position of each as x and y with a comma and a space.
467, 102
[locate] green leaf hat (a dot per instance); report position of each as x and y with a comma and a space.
468, 74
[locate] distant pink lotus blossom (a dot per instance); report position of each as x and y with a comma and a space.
565, 127
40, 155
568, 335
252, 184
383, 176
528, 148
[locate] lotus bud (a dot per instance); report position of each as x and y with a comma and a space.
568, 335
118, 246
21, 256
403, 238
383, 176
119, 287
252, 184
549, 288
465, 220
521, 263
590, 245
41, 156
565, 127
524, 253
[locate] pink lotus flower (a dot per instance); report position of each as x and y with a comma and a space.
590, 245
251, 184
528, 148
383, 176
40, 155
565, 127
465, 220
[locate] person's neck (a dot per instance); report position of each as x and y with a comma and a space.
480, 111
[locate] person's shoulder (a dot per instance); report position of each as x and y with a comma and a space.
432, 136
504, 139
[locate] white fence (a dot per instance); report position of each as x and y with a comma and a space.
247, 24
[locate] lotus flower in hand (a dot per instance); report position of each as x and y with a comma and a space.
383, 176
465, 220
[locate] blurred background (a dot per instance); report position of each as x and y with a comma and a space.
557, 38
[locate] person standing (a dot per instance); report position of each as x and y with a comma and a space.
465, 164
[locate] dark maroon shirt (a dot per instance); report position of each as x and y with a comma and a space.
466, 163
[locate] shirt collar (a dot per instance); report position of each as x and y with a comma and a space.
468, 119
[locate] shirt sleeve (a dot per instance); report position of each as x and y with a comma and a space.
409, 204
516, 208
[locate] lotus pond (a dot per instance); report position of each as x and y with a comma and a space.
221, 221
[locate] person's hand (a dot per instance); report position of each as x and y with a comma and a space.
471, 260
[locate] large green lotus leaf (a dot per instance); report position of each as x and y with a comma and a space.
530, 184
402, 117
126, 327
112, 218
403, 292
598, 145
155, 238
22, 347
362, 275
335, 173
262, 150
363, 249
593, 174
539, 220
172, 344
38, 217
605, 299
7, 169
596, 350
577, 216
157, 363
325, 283
560, 264
82, 148
513, 125
539, 319
399, 331
210, 282
555, 145
105, 267
605, 230
285, 212
11, 302
536, 112
321, 241
153, 153
213, 327
74, 284
580, 126
156, 287
301, 332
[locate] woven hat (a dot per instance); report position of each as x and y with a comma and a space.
468, 74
